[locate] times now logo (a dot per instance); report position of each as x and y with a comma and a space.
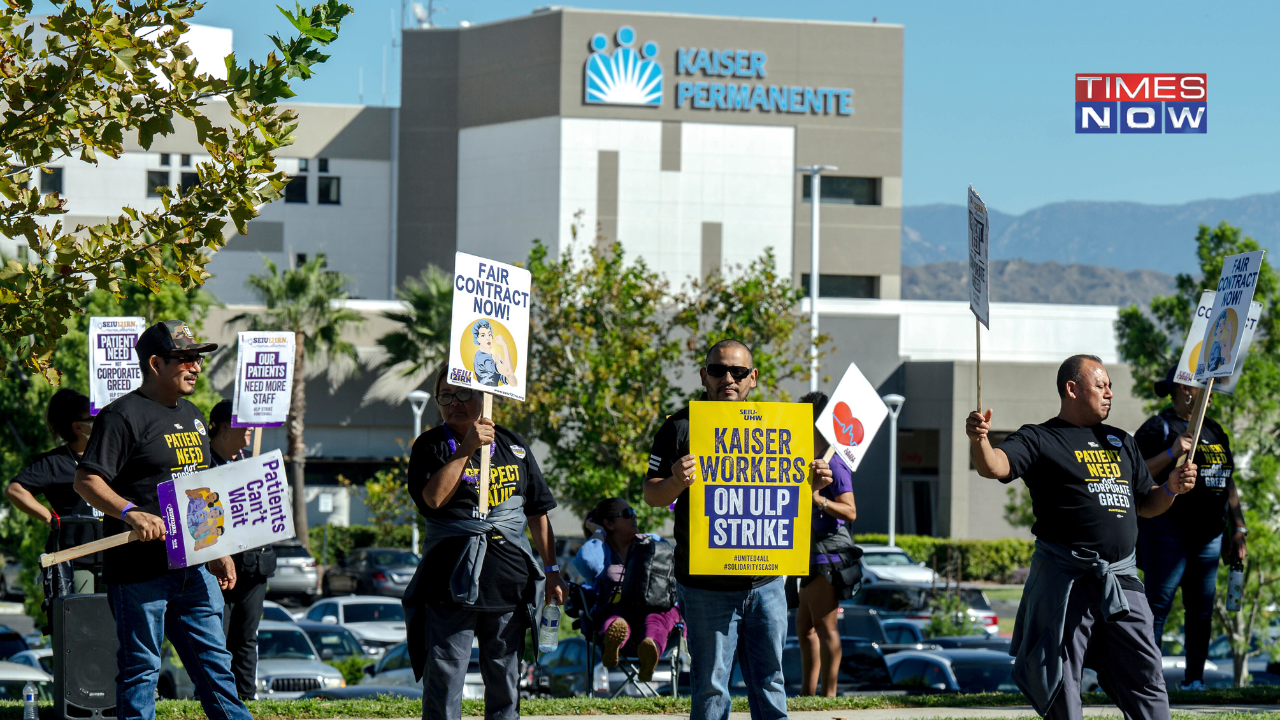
1142, 103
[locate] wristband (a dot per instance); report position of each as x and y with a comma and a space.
127, 508
1242, 530
1165, 485
551, 568
1169, 452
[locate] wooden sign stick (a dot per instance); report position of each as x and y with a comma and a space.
47, 559
977, 326
484, 459
1197, 418
257, 441
831, 449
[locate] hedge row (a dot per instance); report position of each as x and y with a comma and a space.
986, 560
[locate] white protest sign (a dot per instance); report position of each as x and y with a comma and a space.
979, 235
1185, 374
489, 341
264, 379
225, 510
1226, 326
852, 417
113, 365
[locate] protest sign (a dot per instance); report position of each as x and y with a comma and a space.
752, 498
1225, 329
1185, 374
852, 417
113, 366
264, 379
490, 335
225, 510
979, 236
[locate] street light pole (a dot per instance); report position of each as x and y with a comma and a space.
894, 403
815, 197
418, 401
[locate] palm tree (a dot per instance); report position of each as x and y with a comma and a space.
302, 302
413, 353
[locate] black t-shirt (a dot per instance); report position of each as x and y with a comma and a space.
1201, 513
136, 444
53, 475
504, 578
1085, 483
669, 445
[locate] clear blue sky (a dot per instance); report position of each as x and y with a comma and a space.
989, 93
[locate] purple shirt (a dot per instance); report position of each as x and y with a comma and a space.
841, 482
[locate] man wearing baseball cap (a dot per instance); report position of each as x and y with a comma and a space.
140, 440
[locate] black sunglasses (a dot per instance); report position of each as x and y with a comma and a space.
718, 371
185, 359
629, 514
446, 399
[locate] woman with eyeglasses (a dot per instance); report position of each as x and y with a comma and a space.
52, 474
478, 577
613, 532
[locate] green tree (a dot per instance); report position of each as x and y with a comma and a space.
1152, 341
1017, 512
100, 72
759, 307
305, 301
416, 351
387, 499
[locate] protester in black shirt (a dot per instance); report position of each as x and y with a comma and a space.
478, 577
146, 437
1182, 547
1088, 485
243, 603
723, 614
53, 475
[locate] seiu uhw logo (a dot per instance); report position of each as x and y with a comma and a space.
1142, 103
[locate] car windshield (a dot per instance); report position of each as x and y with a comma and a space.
11, 643
393, 559
341, 642
373, 612
284, 644
898, 599
888, 559
276, 613
984, 676
291, 551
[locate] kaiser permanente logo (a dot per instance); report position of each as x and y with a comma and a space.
624, 77
1142, 103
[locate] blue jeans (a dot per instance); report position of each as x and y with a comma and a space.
186, 606
752, 622
1170, 561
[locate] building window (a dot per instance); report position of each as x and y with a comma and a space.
301, 259
330, 191
302, 165
156, 179
842, 286
186, 160
324, 165
838, 190
51, 180
164, 159
296, 190
189, 180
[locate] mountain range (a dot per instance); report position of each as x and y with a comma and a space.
1123, 235
1047, 282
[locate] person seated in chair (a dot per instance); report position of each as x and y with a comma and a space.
602, 560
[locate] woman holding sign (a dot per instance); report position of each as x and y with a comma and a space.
1181, 548
835, 568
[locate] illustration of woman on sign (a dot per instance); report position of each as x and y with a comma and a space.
492, 370
1224, 334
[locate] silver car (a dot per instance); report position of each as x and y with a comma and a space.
394, 670
288, 666
296, 573
378, 622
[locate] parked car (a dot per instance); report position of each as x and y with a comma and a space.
296, 574
11, 643
566, 550
862, 667
38, 659
371, 571
377, 622
13, 676
563, 673
363, 692
881, 563
275, 612
333, 641
972, 642
288, 666
911, 602
10, 583
1262, 670
967, 671
394, 670
1174, 670
866, 623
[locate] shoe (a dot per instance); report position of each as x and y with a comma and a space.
648, 652
614, 637
1193, 686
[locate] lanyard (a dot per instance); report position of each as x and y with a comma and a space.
453, 448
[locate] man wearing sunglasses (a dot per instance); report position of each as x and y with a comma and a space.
140, 440
722, 613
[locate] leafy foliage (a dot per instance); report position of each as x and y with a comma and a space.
980, 560
103, 73
422, 344
949, 616
392, 512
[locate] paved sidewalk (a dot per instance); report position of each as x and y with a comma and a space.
926, 713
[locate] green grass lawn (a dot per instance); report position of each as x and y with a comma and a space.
1004, 594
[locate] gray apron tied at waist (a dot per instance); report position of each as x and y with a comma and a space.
509, 520
1039, 630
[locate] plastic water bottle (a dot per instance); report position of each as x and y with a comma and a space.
1235, 586
29, 709
549, 628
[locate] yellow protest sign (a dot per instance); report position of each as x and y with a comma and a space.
750, 506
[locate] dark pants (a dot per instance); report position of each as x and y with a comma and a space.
240, 625
1170, 561
449, 635
1121, 652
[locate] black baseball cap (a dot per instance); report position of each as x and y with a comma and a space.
221, 413
168, 337
1164, 387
